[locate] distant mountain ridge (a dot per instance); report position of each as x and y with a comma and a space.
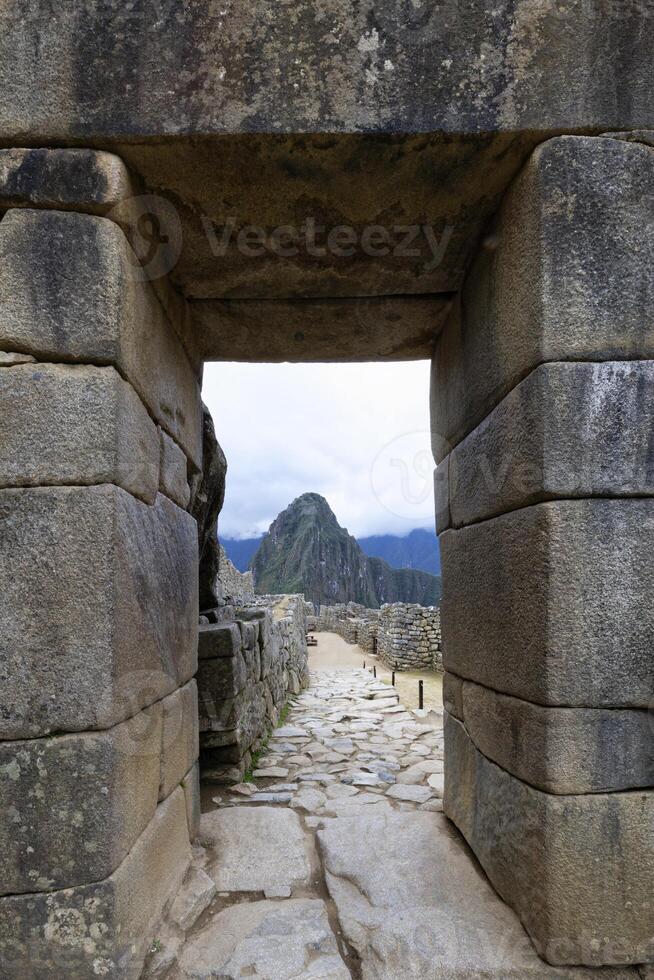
307, 551
418, 550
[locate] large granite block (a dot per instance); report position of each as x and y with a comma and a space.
218, 640
560, 750
99, 607
180, 740
73, 805
173, 467
578, 870
80, 179
102, 929
221, 678
564, 275
552, 603
75, 425
72, 289
567, 430
192, 800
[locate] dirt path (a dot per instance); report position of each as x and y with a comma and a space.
333, 652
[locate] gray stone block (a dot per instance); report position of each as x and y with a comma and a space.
552, 603
561, 750
173, 471
220, 679
99, 607
180, 745
102, 929
191, 787
442, 495
80, 179
577, 869
218, 640
565, 275
74, 805
453, 695
75, 425
567, 430
71, 289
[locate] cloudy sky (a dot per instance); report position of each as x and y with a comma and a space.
356, 433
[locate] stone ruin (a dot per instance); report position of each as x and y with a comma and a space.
249, 662
130, 147
404, 635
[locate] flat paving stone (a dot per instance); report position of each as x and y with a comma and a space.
414, 904
289, 940
411, 794
257, 849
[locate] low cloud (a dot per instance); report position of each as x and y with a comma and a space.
356, 433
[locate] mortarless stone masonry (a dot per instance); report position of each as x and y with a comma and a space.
247, 668
406, 636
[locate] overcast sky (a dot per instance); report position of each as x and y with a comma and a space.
356, 433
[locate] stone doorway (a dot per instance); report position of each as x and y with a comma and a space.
541, 321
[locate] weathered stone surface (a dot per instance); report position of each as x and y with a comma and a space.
378, 328
71, 289
258, 850
453, 694
79, 179
220, 679
173, 471
562, 750
536, 603
414, 904
577, 869
218, 640
180, 745
99, 609
73, 805
269, 940
567, 430
206, 503
191, 787
101, 929
11, 358
559, 280
455, 76
193, 898
395, 78
76, 425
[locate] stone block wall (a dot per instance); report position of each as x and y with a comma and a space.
100, 439
248, 666
236, 586
541, 419
367, 632
406, 636
409, 637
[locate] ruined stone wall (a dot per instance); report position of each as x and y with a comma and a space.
409, 637
236, 586
249, 662
406, 636
367, 630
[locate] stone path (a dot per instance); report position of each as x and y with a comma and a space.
336, 863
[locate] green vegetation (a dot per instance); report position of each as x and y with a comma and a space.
254, 763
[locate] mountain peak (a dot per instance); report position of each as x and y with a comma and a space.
307, 551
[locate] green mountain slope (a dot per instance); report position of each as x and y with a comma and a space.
307, 551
